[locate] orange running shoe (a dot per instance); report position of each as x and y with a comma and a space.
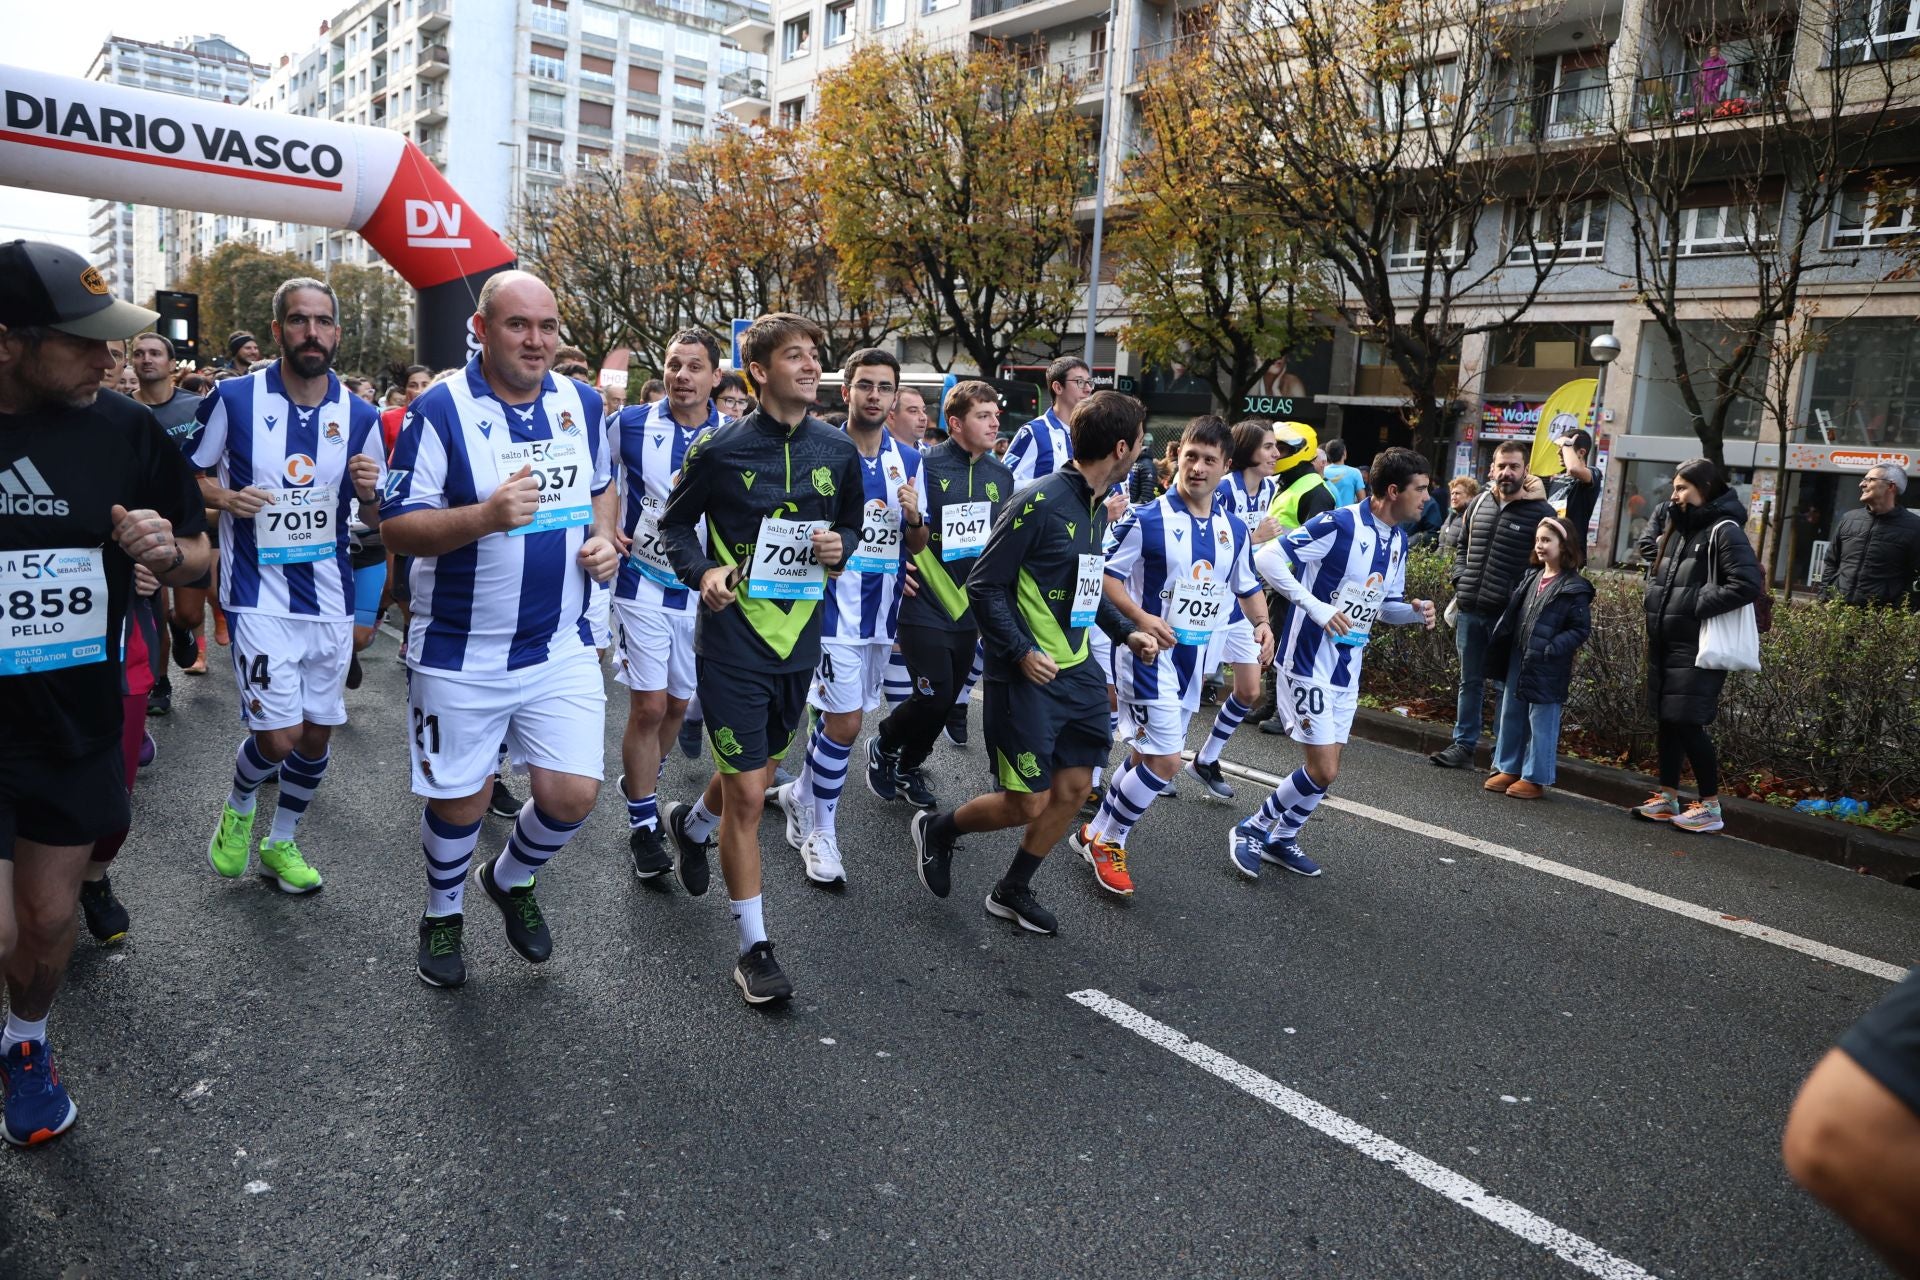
1109, 862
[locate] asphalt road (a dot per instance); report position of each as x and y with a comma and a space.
267, 1090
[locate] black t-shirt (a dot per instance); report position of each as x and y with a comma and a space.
61, 473
1577, 497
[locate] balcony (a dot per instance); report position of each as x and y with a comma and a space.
379, 84
1085, 73
379, 38
1005, 18
1701, 94
751, 30
435, 150
744, 95
1149, 56
435, 14
595, 82
432, 107
434, 61
1557, 116
551, 22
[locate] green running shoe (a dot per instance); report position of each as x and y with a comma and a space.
232, 844
280, 862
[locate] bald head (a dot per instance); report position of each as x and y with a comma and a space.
518, 324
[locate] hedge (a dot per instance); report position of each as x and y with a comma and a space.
1834, 710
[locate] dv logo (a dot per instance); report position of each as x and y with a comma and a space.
435, 224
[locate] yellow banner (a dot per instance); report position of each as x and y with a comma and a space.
1566, 411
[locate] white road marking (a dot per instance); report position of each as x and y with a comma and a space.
1646, 897
1459, 1188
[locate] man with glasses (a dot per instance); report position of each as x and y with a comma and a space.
1045, 445
1874, 557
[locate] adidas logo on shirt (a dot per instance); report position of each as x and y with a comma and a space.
25, 492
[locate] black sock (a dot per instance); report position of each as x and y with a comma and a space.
942, 828
1020, 870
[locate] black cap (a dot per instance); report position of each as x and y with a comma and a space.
239, 339
43, 284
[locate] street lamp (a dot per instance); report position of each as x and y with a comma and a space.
1604, 349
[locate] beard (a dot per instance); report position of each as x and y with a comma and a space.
1509, 486
310, 361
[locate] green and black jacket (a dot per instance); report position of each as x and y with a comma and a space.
952, 475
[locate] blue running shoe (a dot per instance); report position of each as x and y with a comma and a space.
37, 1107
689, 738
1285, 852
1244, 844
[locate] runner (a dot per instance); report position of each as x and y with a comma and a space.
966, 488
1246, 493
89, 487
1036, 590
290, 448
1044, 445
1344, 572
779, 493
502, 495
861, 617
649, 443
908, 425
1172, 566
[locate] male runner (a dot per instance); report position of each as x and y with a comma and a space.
177, 413
648, 442
1344, 572
1172, 567
907, 423
502, 494
290, 447
966, 490
1036, 591
89, 487
780, 495
1044, 445
861, 614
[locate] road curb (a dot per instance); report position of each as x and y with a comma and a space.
1862, 849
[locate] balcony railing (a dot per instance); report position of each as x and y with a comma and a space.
1722, 92
434, 13
1553, 116
742, 84
1149, 56
434, 60
596, 82
1084, 71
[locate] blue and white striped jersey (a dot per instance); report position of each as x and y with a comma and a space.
510, 600
645, 446
1039, 449
1343, 555
1249, 508
291, 560
1149, 550
865, 604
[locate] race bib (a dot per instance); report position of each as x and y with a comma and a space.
783, 564
1361, 602
296, 525
53, 610
649, 553
1087, 589
963, 529
1195, 608
563, 470
879, 540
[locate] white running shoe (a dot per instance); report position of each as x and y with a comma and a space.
822, 855
799, 816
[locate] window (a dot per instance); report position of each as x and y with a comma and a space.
643, 80
643, 124
549, 109
1875, 215
1575, 231
596, 73
886, 12
550, 17
598, 21
596, 119
594, 157
548, 62
1874, 24
685, 134
1424, 95
793, 113
543, 156
1723, 228
1578, 106
796, 38
839, 25
645, 33
1864, 383
1407, 248
688, 43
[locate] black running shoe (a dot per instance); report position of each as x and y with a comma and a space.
503, 803
883, 770
440, 962
956, 729
186, 650
354, 673
759, 978
690, 855
527, 931
649, 855
1213, 777
915, 787
105, 916
1017, 903
689, 739
1091, 805
160, 699
933, 856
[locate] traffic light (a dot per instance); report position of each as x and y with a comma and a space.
179, 322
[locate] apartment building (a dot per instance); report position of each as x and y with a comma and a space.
133, 244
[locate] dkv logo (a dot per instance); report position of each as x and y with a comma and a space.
435, 224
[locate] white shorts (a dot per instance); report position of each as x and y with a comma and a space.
599, 600
656, 649
290, 670
553, 715
1316, 715
1100, 649
1154, 728
1233, 643
852, 675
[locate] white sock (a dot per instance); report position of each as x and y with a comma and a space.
19, 1030
746, 918
701, 821
449, 852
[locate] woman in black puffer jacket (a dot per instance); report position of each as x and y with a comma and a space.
1705, 567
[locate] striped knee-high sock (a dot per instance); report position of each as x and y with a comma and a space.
1127, 801
250, 769
536, 838
299, 778
1290, 805
973, 675
827, 773
1232, 712
449, 853
644, 812
898, 686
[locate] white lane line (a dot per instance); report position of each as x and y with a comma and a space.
1459, 1188
389, 631
1646, 897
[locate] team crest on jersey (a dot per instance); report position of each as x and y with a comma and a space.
1222, 537
299, 469
923, 687
567, 423
333, 432
993, 490
725, 743
1027, 765
823, 481
893, 471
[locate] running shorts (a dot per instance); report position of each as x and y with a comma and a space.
1034, 729
1316, 715
290, 669
553, 716
751, 715
63, 802
656, 649
852, 675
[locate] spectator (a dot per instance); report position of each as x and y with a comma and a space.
1874, 556
1300, 491
1495, 547
1704, 567
735, 401
195, 384
126, 382
1000, 447
614, 395
1547, 619
1144, 482
242, 350
1349, 484
1461, 490
418, 379
653, 389
1574, 490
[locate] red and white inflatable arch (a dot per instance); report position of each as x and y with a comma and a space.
91, 138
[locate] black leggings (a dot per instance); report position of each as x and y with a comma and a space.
938, 661
1688, 743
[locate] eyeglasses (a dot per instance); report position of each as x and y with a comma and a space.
1080, 382
866, 388
733, 402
